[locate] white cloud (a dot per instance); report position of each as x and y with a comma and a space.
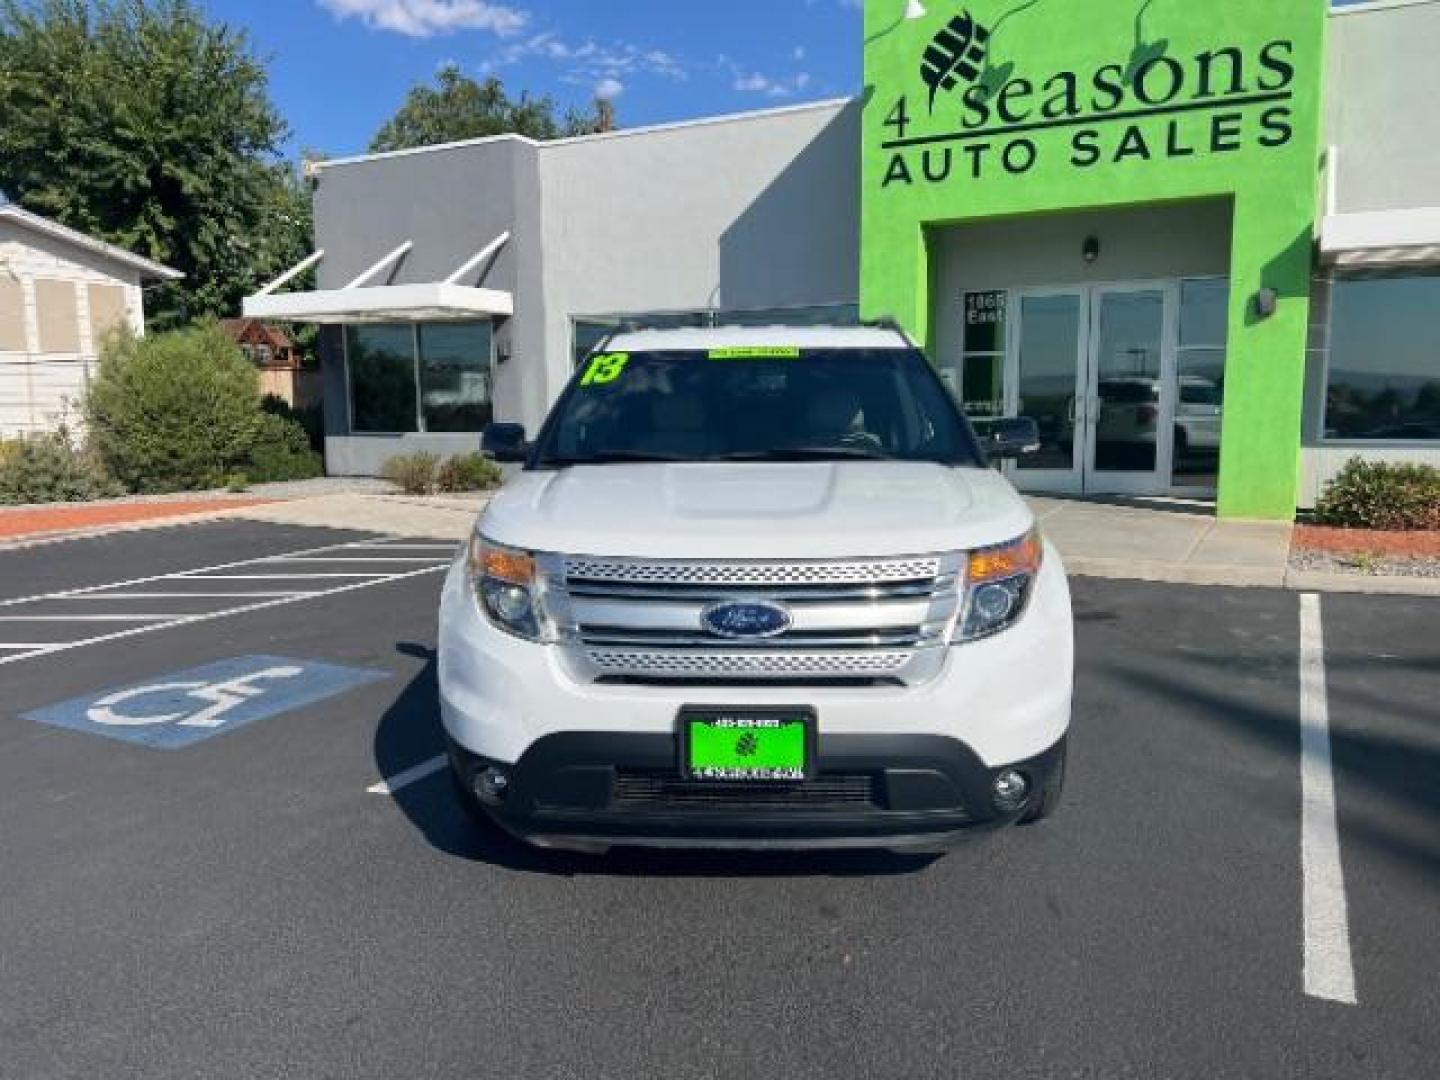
609, 89
754, 82
589, 61
426, 18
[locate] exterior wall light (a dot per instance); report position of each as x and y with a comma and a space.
1266, 301
1090, 250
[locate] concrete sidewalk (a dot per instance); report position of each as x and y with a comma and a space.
1138, 540
1165, 541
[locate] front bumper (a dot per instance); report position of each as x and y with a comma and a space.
596, 790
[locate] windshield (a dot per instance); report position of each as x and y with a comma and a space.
773, 404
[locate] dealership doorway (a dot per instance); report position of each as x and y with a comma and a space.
1124, 379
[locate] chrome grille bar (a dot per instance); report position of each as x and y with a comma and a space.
641, 620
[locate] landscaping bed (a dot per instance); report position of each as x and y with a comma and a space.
1371, 552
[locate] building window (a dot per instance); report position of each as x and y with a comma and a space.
382, 379
1383, 380
58, 315
107, 311
455, 377
979, 385
12, 315
587, 336
433, 378
1200, 367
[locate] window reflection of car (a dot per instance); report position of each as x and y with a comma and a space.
1130, 413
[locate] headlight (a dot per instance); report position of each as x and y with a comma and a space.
998, 585
510, 590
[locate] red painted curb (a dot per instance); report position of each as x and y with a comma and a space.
17, 524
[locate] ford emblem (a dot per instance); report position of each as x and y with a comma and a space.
746, 619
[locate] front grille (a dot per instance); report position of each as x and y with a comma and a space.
868, 621
640, 572
669, 791
726, 666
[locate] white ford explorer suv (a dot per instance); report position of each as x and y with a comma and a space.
756, 589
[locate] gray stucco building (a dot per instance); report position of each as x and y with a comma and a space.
662, 224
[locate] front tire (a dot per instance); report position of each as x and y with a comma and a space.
1047, 799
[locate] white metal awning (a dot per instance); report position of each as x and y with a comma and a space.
437, 302
1382, 238
358, 302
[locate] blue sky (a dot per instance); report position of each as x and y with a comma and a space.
339, 68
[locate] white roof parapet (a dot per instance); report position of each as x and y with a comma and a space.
478, 258
385, 262
1382, 238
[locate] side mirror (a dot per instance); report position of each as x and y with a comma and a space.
505, 443
1013, 437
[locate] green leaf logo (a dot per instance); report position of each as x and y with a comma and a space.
957, 52
748, 746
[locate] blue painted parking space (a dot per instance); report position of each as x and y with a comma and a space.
180, 709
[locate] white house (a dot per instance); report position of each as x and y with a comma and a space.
60, 291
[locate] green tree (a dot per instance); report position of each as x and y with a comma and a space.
140, 123
457, 107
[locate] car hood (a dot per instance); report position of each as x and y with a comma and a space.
757, 511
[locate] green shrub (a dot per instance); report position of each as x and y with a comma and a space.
48, 468
312, 418
414, 474
281, 451
1376, 495
469, 472
175, 411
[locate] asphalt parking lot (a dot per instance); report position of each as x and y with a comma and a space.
246, 905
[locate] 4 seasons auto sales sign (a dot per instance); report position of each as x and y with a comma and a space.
974, 110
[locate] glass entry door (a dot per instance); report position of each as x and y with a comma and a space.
1094, 366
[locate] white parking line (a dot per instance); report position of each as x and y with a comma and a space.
400, 781
384, 545
382, 560
276, 577
82, 618
161, 586
67, 593
183, 595
1329, 967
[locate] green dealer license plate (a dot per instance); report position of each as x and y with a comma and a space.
747, 745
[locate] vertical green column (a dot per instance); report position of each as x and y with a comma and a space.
1265, 365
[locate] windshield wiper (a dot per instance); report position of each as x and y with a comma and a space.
809, 453
615, 457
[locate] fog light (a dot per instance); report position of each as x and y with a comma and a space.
1011, 791
492, 785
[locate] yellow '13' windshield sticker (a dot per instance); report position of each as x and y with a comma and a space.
605, 368
756, 352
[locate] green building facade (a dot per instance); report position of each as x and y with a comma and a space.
1167, 123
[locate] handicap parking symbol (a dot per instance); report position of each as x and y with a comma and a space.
173, 711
